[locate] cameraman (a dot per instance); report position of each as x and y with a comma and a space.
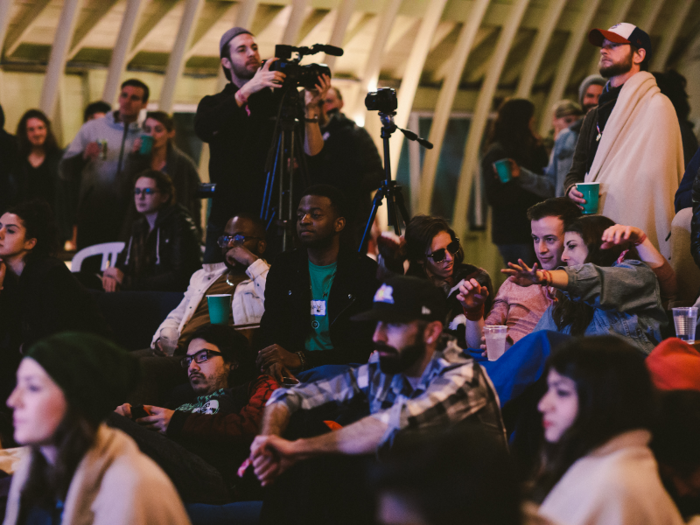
239, 123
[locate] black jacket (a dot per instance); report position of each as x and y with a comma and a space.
287, 318
695, 223
165, 258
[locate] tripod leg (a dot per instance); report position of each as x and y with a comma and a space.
376, 203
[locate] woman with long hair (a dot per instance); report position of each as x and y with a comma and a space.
596, 465
78, 470
512, 138
602, 292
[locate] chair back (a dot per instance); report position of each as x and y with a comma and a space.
108, 250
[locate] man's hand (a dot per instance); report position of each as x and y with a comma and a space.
263, 78
271, 456
313, 97
240, 254
111, 279
514, 169
137, 145
158, 420
124, 410
3, 272
276, 354
523, 275
472, 294
92, 151
621, 234
576, 196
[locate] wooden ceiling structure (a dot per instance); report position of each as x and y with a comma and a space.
489, 47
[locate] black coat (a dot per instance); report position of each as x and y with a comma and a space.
695, 223
287, 318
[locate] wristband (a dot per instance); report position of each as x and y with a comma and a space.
312, 119
240, 97
302, 359
474, 314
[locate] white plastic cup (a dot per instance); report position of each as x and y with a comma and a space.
168, 340
495, 335
685, 320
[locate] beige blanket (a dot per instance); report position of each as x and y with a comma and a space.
639, 162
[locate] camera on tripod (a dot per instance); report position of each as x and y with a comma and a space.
297, 75
382, 100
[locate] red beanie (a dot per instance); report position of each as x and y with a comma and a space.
674, 365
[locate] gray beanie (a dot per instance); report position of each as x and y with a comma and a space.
230, 35
589, 81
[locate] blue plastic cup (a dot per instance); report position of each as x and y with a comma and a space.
503, 170
590, 192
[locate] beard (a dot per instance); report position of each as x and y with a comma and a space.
399, 361
616, 69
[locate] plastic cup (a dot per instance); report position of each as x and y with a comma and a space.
219, 308
503, 170
168, 340
685, 320
146, 144
495, 335
590, 192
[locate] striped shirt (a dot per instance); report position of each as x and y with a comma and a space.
453, 387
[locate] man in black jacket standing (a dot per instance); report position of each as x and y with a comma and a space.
238, 124
312, 293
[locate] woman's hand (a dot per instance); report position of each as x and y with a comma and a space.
472, 295
514, 169
137, 145
523, 275
3, 272
112, 279
621, 234
313, 97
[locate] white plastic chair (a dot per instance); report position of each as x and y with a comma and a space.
108, 250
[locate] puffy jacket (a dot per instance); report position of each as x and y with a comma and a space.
164, 258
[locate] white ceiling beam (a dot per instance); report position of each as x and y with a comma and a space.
296, 19
483, 34
163, 7
5, 6
482, 68
314, 20
536, 54
361, 24
24, 25
117, 64
410, 80
652, 13
618, 15
481, 113
207, 20
83, 31
53, 79
340, 28
566, 63
668, 37
445, 101
176, 61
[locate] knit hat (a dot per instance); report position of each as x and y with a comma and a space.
565, 108
95, 374
674, 365
587, 82
230, 35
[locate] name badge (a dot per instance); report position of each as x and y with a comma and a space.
318, 308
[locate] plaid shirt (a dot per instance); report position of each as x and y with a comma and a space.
452, 388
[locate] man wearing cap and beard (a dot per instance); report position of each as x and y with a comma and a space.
238, 124
631, 143
414, 382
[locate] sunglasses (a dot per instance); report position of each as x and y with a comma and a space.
238, 238
439, 255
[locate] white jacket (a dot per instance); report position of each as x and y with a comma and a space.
248, 298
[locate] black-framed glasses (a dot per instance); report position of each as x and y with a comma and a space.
439, 255
145, 191
238, 238
200, 357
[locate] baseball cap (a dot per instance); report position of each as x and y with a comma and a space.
230, 35
403, 299
622, 33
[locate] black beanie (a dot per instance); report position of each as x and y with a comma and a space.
95, 374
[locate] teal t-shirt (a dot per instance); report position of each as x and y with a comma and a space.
321, 281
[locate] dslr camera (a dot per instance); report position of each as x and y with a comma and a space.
296, 74
382, 100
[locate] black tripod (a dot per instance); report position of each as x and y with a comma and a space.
396, 208
285, 157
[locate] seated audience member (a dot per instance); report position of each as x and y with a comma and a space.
38, 295
684, 194
411, 384
603, 292
512, 139
434, 252
242, 274
674, 365
313, 291
459, 478
95, 110
79, 470
164, 249
597, 466
9, 155
675, 445
521, 308
165, 156
695, 221
216, 416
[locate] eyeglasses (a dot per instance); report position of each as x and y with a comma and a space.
200, 357
439, 255
145, 191
238, 238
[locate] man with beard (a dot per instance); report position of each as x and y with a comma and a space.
414, 382
242, 274
238, 125
631, 143
314, 290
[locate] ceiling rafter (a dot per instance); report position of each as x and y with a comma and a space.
149, 24
211, 14
312, 20
355, 30
85, 28
24, 25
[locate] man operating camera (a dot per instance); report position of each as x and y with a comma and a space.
238, 124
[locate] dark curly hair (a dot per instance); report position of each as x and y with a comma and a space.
38, 221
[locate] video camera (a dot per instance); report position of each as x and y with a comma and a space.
296, 74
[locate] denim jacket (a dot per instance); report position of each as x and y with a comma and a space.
626, 299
